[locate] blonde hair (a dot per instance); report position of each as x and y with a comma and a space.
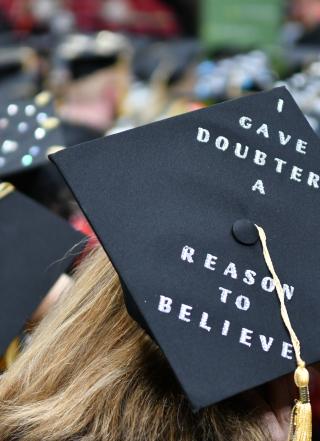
91, 373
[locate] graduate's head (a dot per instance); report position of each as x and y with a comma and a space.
91, 371
35, 252
178, 206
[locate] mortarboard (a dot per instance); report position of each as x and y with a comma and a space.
83, 54
169, 60
19, 73
74, 133
36, 248
29, 130
175, 204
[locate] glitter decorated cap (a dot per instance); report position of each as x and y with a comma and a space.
29, 130
175, 205
36, 248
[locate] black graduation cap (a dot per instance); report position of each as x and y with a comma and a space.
36, 248
173, 58
83, 54
18, 71
29, 130
75, 133
14, 59
175, 205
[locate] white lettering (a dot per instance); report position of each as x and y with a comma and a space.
210, 262
313, 180
249, 277
266, 345
301, 146
165, 304
258, 186
232, 270
288, 291
283, 138
245, 122
225, 328
267, 284
204, 321
260, 158
224, 294
187, 253
203, 135
238, 151
296, 173
264, 130
185, 312
243, 303
286, 350
222, 143
245, 337
280, 163
280, 105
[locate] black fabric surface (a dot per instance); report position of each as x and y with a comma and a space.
36, 248
151, 191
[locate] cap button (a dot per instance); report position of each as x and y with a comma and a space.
245, 232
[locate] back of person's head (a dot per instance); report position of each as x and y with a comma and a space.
91, 373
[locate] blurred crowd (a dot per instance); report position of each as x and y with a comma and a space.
100, 67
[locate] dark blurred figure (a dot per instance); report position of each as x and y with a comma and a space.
187, 12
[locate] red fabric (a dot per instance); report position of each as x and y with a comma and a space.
80, 223
140, 16
87, 13
151, 17
19, 14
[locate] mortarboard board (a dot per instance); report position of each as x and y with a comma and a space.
44, 183
35, 250
175, 204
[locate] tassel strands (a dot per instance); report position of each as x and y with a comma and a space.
301, 416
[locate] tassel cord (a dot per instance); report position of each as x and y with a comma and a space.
284, 313
301, 415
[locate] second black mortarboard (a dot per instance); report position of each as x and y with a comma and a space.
29, 130
175, 205
36, 248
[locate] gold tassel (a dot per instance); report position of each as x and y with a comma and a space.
301, 417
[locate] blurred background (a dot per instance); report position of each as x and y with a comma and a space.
81, 69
